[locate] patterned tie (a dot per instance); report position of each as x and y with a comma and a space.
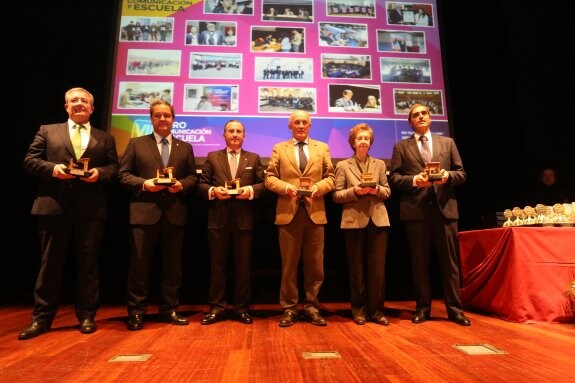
425, 152
233, 163
302, 156
77, 141
211, 39
165, 151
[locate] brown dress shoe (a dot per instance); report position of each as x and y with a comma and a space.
87, 326
359, 320
381, 320
316, 319
287, 319
32, 331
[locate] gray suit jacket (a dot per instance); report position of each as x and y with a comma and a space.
358, 210
140, 162
406, 162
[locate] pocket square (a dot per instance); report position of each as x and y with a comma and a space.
249, 167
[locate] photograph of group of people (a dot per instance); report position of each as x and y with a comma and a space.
287, 100
404, 99
346, 66
140, 95
216, 65
285, 69
286, 52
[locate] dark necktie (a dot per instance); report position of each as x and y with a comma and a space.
302, 156
233, 163
211, 39
425, 152
77, 140
165, 153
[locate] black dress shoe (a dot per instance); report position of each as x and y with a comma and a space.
212, 318
287, 319
316, 319
245, 318
174, 318
87, 326
135, 322
32, 331
381, 320
420, 317
460, 319
359, 320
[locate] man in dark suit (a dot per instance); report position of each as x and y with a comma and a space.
158, 213
211, 36
429, 212
231, 220
71, 209
300, 219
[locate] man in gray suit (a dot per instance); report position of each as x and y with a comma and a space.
429, 212
158, 213
231, 220
72, 209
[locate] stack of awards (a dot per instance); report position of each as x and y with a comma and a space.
542, 215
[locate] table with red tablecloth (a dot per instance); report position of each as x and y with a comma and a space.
519, 273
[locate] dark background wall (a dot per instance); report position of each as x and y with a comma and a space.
509, 77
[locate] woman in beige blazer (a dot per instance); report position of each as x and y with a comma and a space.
361, 186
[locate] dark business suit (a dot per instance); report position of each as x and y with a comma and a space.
71, 216
300, 225
365, 224
430, 216
230, 226
156, 218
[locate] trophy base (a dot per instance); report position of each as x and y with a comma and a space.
78, 172
303, 192
164, 181
234, 192
434, 177
372, 185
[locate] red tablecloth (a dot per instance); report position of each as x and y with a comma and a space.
519, 273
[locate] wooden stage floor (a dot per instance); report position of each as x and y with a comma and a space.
490, 350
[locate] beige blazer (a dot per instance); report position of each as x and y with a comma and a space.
358, 210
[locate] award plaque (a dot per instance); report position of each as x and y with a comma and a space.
432, 169
165, 178
233, 187
304, 186
367, 181
79, 168
508, 214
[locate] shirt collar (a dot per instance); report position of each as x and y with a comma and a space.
159, 138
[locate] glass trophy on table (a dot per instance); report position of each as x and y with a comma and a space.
165, 177
79, 168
